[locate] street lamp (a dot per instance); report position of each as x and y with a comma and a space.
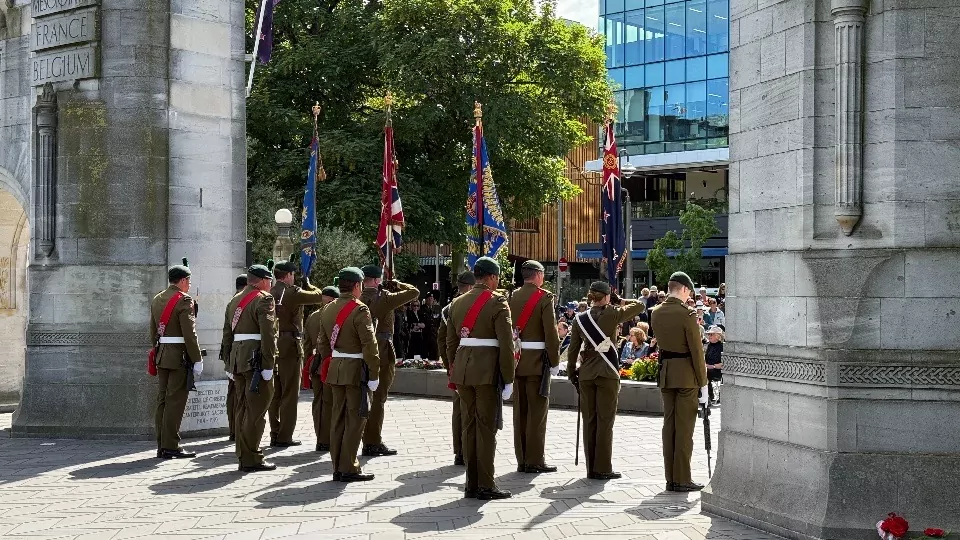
283, 247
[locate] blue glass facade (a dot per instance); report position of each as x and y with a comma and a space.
669, 64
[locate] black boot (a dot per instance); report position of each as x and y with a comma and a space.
356, 477
262, 467
458, 460
179, 453
538, 469
492, 494
374, 450
687, 487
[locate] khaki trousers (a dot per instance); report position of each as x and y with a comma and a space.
598, 404
322, 409
283, 408
347, 428
250, 422
478, 409
457, 426
529, 420
231, 407
172, 397
373, 432
679, 419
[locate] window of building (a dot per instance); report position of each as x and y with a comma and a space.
718, 27
676, 35
696, 27
633, 77
696, 68
717, 66
633, 38
675, 72
654, 37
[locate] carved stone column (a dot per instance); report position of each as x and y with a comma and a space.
848, 20
45, 173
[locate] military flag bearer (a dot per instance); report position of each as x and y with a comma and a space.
535, 326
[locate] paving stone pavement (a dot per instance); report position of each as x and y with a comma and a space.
114, 490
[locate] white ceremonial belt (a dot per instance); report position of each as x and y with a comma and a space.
172, 340
533, 345
246, 337
338, 354
477, 342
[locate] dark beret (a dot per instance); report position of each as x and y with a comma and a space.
259, 271
600, 287
487, 265
351, 273
532, 265
178, 272
372, 271
467, 278
331, 291
285, 266
682, 279
241, 281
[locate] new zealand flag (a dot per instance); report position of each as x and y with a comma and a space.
612, 234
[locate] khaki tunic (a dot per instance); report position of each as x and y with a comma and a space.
441, 348
322, 393
172, 391
476, 371
344, 376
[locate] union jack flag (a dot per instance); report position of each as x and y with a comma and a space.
391, 212
612, 233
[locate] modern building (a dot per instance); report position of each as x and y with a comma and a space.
669, 63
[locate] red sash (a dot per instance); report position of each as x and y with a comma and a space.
243, 305
305, 374
161, 328
469, 321
524, 319
345, 312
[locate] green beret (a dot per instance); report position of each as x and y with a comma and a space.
179, 271
487, 265
532, 265
331, 291
600, 287
241, 281
285, 266
259, 271
467, 278
682, 279
372, 271
351, 273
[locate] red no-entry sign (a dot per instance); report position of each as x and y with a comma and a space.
562, 264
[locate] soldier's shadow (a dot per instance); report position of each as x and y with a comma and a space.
566, 497
450, 516
197, 484
116, 469
327, 490
418, 483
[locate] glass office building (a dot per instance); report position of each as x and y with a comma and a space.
668, 60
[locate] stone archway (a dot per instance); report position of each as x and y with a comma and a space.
14, 298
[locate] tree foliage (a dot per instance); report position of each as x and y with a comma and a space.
535, 75
337, 248
699, 224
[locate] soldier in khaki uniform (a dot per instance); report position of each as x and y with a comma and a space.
179, 340
465, 282
483, 370
290, 301
683, 372
250, 336
382, 301
322, 393
354, 351
241, 282
598, 378
540, 344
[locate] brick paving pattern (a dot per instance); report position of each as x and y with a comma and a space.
114, 490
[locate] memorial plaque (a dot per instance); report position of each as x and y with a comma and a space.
42, 8
67, 29
64, 65
206, 408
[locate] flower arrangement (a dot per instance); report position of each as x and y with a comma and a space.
896, 527
645, 369
419, 364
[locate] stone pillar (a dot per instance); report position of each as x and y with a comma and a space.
841, 397
45, 173
151, 157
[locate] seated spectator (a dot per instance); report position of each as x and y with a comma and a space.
634, 348
714, 315
714, 359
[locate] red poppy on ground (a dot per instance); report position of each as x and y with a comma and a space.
935, 533
895, 525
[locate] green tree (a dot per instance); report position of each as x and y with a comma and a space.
535, 75
337, 247
699, 224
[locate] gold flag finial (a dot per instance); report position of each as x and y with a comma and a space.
477, 110
316, 109
388, 99
611, 111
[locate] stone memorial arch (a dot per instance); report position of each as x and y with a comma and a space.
122, 149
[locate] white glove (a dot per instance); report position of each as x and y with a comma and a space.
704, 395
267, 374
229, 375
198, 367
507, 391
555, 370
373, 385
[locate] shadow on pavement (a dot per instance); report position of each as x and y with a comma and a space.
450, 516
323, 490
418, 483
197, 484
566, 497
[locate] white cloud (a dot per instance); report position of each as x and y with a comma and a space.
582, 11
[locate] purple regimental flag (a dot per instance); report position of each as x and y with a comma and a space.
266, 31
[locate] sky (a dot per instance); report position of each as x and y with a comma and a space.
582, 11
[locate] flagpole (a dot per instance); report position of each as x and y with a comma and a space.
478, 163
256, 45
388, 101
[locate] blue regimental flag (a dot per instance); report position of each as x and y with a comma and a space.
308, 236
483, 206
612, 233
